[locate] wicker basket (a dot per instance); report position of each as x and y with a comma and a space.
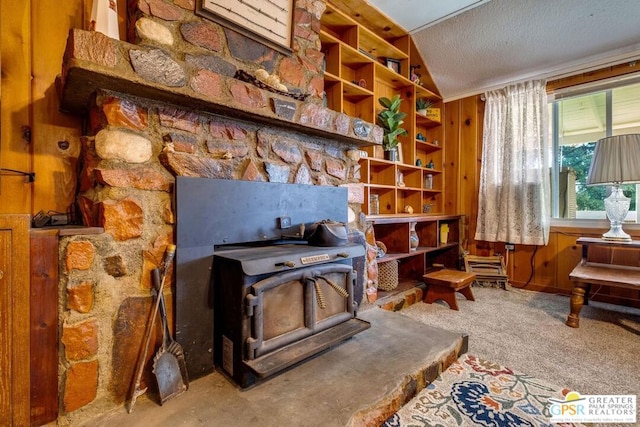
388, 275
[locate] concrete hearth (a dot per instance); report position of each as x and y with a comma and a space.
358, 383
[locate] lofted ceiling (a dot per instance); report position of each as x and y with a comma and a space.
471, 46
415, 15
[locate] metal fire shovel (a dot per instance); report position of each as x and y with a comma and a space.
169, 364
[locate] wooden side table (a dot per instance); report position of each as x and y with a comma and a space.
588, 273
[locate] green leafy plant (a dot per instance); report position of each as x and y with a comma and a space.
423, 103
391, 120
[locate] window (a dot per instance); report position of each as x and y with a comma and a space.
579, 117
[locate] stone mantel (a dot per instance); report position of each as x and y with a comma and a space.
93, 61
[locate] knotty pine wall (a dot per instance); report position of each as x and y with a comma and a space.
34, 135
544, 268
463, 120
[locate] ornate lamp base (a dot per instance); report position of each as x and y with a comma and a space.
617, 207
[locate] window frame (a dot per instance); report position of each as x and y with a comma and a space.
556, 95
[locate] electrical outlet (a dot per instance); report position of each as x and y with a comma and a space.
510, 247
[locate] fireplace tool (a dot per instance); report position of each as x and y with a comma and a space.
169, 365
137, 391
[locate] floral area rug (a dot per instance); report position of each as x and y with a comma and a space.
476, 392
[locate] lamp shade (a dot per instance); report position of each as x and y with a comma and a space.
616, 159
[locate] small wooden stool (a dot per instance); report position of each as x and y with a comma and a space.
444, 284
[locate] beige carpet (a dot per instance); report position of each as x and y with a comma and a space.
525, 331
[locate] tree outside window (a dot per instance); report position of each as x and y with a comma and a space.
578, 121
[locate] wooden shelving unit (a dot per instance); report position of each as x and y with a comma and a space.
393, 231
356, 76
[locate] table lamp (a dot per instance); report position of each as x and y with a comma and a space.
616, 160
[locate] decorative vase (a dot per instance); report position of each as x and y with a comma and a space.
391, 155
422, 112
414, 240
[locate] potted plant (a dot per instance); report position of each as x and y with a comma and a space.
422, 104
391, 120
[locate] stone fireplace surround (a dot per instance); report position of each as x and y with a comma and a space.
167, 105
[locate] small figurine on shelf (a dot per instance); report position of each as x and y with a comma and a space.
430, 164
414, 75
418, 162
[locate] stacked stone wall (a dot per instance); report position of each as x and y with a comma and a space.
134, 149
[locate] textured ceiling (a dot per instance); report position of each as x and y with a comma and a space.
415, 15
505, 41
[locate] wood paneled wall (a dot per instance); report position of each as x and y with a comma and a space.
15, 147
544, 268
55, 137
34, 135
463, 121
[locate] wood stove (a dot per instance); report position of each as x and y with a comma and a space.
275, 306
250, 299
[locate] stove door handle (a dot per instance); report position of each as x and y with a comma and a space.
290, 264
322, 303
339, 289
311, 278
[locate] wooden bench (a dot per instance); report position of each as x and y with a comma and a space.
588, 273
443, 285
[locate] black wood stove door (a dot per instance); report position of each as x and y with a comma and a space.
290, 306
265, 324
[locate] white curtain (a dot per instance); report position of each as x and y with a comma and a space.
514, 178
